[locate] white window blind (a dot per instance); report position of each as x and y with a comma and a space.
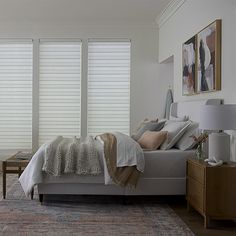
108, 87
16, 94
59, 89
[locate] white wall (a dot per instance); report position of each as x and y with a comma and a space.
146, 92
189, 19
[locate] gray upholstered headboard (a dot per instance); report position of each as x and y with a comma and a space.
191, 108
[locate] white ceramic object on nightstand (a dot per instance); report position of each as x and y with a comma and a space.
219, 144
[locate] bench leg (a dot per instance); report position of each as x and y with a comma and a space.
19, 171
4, 179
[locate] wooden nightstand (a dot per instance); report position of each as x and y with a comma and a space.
211, 190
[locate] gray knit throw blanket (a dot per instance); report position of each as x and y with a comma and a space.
72, 155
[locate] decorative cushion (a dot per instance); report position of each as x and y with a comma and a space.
151, 126
186, 142
175, 132
152, 140
143, 122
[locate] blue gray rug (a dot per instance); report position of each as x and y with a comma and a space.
85, 216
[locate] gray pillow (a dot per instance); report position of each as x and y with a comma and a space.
150, 126
183, 118
186, 142
175, 132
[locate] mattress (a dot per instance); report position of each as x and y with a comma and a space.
158, 164
170, 163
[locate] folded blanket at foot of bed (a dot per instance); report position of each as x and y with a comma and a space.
123, 176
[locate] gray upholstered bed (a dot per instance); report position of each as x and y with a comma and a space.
164, 175
164, 170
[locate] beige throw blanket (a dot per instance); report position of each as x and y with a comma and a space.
123, 176
72, 155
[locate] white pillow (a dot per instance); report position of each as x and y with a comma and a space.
175, 131
186, 142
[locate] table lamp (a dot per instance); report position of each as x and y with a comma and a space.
218, 118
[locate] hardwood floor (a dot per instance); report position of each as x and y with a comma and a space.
195, 221
178, 204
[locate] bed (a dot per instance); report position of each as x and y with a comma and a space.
164, 172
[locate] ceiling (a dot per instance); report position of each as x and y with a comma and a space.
138, 12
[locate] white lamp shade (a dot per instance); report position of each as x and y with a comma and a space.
218, 117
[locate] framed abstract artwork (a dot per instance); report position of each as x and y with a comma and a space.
208, 76
189, 66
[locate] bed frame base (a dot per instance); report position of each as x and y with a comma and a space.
41, 198
165, 186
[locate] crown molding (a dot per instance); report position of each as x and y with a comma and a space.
169, 11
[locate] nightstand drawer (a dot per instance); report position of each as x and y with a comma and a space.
196, 172
195, 194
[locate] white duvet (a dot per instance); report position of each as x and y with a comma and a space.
129, 153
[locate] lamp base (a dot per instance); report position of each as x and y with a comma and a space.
219, 146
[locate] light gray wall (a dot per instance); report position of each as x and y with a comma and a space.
148, 87
189, 19
166, 75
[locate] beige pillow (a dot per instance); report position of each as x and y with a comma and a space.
152, 139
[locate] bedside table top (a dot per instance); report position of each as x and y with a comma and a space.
205, 164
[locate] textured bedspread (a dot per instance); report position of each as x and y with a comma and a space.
72, 155
128, 154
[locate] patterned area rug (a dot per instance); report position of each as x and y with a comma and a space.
85, 215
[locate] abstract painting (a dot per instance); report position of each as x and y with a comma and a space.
209, 58
188, 66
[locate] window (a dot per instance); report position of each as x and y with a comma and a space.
59, 89
55, 91
108, 87
16, 94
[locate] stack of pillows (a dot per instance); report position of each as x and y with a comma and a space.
166, 134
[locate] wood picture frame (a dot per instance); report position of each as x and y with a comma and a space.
208, 66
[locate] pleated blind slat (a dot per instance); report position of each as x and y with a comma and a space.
16, 94
59, 89
108, 87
